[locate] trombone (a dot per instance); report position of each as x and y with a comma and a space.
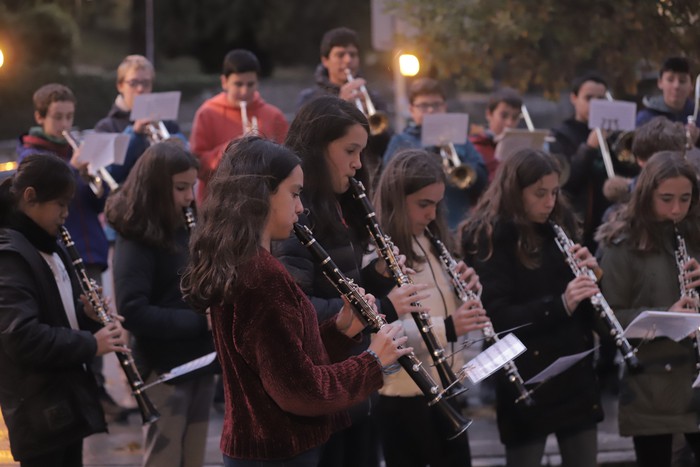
95, 181
249, 126
692, 119
156, 132
460, 175
378, 121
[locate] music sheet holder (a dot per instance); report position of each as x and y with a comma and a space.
515, 139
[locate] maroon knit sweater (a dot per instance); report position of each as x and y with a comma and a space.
284, 394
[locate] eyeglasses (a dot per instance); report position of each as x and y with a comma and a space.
133, 83
425, 106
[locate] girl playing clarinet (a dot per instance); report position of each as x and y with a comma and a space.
409, 200
48, 394
509, 241
151, 250
641, 273
288, 376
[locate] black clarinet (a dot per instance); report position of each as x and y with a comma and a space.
190, 221
449, 264
606, 314
456, 424
449, 380
148, 411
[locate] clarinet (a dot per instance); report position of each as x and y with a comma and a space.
449, 380
148, 411
682, 258
465, 295
598, 301
456, 424
190, 221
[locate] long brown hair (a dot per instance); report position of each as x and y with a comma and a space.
408, 171
143, 208
232, 218
637, 220
318, 123
503, 202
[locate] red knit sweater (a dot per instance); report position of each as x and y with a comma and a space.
283, 393
217, 122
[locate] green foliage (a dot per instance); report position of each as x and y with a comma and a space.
543, 44
45, 34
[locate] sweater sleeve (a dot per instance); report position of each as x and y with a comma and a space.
289, 374
204, 145
23, 336
134, 270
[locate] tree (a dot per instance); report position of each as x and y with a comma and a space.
543, 44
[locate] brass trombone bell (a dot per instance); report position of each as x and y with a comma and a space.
460, 175
378, 121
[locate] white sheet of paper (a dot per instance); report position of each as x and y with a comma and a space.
560, 365
696, 383
674, 325
440, 129
515, 139
156, 106
189, 367
103, 149
612, 115
493, 358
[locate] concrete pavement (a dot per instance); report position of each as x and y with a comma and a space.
122, 446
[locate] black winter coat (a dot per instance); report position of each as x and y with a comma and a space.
167, 331
514, 296
47, 393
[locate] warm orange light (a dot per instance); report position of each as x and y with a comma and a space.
2, 59
5, 166
409, 65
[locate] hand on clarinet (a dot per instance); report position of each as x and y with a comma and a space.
468, 276
578, 290
405, 299
346, 320
692, 274
386, 342
470, 316
685, 305
111, 338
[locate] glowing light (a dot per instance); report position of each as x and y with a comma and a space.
2, 58
409, 65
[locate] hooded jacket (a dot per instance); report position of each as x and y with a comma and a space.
218, 121
47, 393
655, 107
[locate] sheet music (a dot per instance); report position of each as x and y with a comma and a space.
103, 149
653, 324
612, 115
441, 129
493, 358
515, 139
560, 365
156, 106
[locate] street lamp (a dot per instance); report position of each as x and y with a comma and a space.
2, 59
409, 65
406, 65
